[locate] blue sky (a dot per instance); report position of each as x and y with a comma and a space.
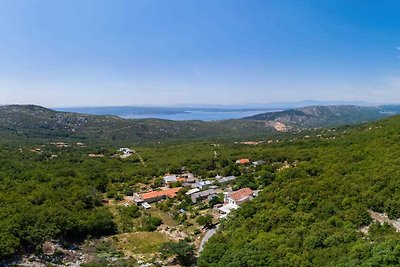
159, 52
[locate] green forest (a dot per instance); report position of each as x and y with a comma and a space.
317, 190
311, 214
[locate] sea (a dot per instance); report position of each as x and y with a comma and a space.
171, 113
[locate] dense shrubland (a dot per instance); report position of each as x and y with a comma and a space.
316, 193
310, 214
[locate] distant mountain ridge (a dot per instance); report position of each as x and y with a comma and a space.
30, 121
170, 113
322, 116
197, 111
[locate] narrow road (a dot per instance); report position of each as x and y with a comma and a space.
207, 236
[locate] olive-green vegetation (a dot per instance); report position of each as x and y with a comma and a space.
182, 250
205, 220
37, 123
316, 189
310, 214
31, 122
150, 223
49, 192
43, 198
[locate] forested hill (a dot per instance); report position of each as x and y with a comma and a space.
318, 212
322, 116
33, 122
29, 121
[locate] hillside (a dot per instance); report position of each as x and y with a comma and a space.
38, 122
320, 211
319, 192
34, 122
321, 116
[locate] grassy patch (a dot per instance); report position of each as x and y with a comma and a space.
166, 218
139, 242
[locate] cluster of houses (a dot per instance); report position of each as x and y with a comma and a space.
247, 161
199, 190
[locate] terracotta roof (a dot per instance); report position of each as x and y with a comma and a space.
241, 194
243, 161
168, 192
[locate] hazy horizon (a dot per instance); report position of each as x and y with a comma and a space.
272, 105
141, 53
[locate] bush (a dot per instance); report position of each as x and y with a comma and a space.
150, 223
182, 250
205, 220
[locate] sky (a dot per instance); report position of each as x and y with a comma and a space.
166, 52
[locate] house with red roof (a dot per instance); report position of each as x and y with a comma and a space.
154, 196
239, 196
243, 161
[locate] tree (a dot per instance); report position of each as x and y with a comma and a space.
150, 223
217, 199
205, 220
182, 250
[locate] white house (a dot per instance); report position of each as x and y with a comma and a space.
202, 184
226, 209
170, 179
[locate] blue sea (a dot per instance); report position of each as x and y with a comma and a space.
170, 113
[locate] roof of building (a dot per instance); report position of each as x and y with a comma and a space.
170, 178
202, 183
124, 149
167, 192
137, 198
204, 193
226, 179
243, 161
228, 208
146, 205
241, 194
192, 191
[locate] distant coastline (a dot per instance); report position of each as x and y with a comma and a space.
171, 113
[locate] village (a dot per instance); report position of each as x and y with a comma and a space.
176, 202
199, 190
204, 202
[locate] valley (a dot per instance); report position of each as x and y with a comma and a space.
29, 122
83, 201
204, 133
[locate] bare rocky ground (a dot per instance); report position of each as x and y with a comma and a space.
381, 218
55, 255
52, 253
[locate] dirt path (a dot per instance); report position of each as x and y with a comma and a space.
140, 158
